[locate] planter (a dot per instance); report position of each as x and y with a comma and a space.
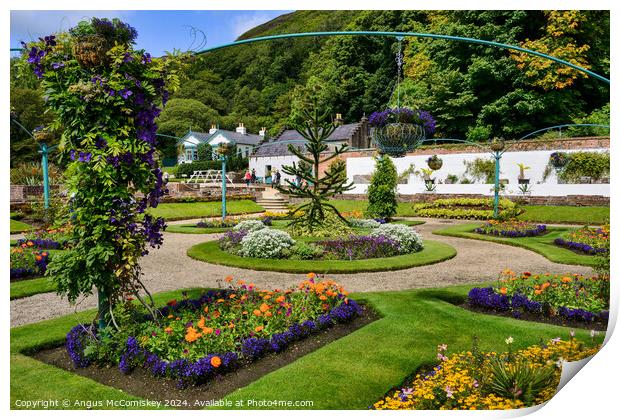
558, 160
43, 136
524, 181
497, 145
396, 139
434, 162
91, 51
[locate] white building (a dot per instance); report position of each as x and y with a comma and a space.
244, 141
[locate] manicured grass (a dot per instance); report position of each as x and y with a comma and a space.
350, 373
566, 214
180, 211
25, 288
432, 253
18, 227
543, 245
542, 214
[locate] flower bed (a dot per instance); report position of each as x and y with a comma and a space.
466, 208
586, 240
386, 240
475, 380
53, 238
567, 297
197, 339
27, 261
511, 228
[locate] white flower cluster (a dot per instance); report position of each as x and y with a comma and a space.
265, 243
409, 239
250, 226
364, 223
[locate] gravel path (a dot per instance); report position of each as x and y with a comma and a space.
169, 268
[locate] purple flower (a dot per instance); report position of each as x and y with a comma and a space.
125, 93
58, 65
85, 156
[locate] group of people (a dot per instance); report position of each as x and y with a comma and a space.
250, 177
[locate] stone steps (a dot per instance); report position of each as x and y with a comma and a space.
275, 204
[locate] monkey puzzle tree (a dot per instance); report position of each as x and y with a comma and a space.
315, 188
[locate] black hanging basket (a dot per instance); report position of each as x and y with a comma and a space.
434, 162
397, 139
558, 159
497, 144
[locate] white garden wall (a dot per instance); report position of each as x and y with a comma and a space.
453, 165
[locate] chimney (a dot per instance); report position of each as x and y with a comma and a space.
241, 129
263, 132
338, 121
213, 129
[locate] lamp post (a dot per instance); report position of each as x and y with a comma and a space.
222, 151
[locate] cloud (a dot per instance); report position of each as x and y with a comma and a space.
243, 22
27, 25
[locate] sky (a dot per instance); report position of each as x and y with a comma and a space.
158, 30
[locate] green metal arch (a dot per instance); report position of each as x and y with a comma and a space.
401, 35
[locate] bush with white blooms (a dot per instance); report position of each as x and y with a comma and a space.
408, 239
265, 243
250, 226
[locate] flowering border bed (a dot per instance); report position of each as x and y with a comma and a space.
197, 372
586, 240
511, 229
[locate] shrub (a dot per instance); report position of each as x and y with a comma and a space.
333, 226
304, 251
231, 240
382, 189
250, 226
265, 243
27, 261
364, 223
481, 170
594, 165
466, 208
407, 238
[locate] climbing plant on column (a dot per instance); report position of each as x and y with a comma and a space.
105, 95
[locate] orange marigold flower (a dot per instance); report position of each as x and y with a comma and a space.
168, 330
232, 296
216, 314
38, 258
207, 330
537, 292
170, 316
323, 297
257, 312
264, 307
216, 362
228, 279
251, 285
259, 328
280, 299
240, 282
566, 279
201, 323
30, 243
268, 314
206, 309
220, 300
310, 275
172, 302
503, 290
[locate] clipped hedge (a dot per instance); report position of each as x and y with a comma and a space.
466, 208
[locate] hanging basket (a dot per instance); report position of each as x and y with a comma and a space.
397, 139
43, 136
497, 144
91, 51
558, 160
434, 162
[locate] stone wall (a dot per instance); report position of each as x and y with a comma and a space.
207, 192
28, 193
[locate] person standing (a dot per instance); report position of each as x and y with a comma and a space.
253, 176
247, 177
278, 176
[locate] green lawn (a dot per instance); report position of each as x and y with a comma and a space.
433, 252
18, 227
180, 211
350, 373
566, 214
541, 244
24, 288
542, 214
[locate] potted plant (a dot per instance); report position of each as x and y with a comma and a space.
42, 135
434, 162
558, 159
522, 169
497, 144
452, 179
396, 131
